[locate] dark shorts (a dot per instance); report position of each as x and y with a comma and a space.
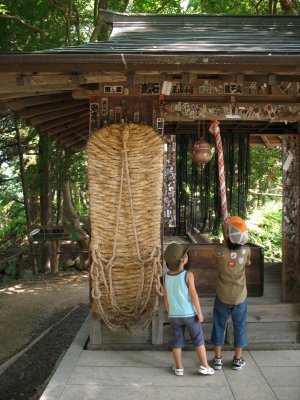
193, 327
238, 313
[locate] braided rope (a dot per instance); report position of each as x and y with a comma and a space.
125, 265
215, 130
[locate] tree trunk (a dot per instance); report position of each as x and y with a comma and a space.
25, 197
74, 218
45, 201
54, 248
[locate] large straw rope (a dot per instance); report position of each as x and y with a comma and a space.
125, 171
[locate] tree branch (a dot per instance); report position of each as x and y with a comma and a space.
162, 6
77, 23
21, 22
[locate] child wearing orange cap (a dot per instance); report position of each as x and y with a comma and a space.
231, 293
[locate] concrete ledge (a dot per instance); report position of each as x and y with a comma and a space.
62, 374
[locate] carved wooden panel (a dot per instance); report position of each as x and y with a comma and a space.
170, 181
290, 220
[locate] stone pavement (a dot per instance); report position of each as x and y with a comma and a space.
142, 375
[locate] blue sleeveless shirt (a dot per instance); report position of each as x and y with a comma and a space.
179, 299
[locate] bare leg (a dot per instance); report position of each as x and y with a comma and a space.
177, 358
201, 351
218, 351
238, 352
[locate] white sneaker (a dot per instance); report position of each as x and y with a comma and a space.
205, 371
178, 371
218, 363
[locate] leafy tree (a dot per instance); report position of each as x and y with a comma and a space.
243, 6
265, 231
266, 176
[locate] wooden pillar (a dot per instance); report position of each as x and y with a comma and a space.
95, 332
290, 219
158, 324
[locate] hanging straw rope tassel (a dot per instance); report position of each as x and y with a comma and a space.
215, 130
125, 171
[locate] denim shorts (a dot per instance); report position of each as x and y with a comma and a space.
194, 328
238, 315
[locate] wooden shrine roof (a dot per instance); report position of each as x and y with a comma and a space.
52, 89
196, 34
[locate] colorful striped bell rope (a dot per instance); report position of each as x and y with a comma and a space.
215, 130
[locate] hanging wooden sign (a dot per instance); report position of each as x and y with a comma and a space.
184, 111
94, 117
113, 89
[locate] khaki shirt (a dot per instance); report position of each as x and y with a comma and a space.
231, 280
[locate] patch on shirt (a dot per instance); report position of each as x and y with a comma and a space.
231, 264
233, 255
241, 260
220, 254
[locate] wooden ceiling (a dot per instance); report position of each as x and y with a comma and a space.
52, 90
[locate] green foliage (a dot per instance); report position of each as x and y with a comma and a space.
15, 225
266, 175
77, 167
156, 7
237, 7
265, 230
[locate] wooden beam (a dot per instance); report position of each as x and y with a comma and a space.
30, 112
71, 131
95, 62
77, 137
65, 127
44, 127
32, 89
78, 146
265, 139
20, 104
23, 95
36, 121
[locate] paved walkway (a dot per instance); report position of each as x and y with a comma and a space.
142, 375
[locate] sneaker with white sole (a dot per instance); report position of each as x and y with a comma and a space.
218, 363
238, 363
178, 371
205, 371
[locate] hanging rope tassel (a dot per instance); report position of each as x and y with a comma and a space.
215, 130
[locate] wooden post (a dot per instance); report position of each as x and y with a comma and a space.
290, 220
95, 333
157, 324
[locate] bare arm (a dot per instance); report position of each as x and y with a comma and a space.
194, 295
166, 301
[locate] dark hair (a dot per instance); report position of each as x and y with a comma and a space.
173, 266
232, 246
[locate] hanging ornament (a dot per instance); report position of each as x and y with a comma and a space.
201, 150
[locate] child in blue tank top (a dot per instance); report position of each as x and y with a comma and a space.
183, 307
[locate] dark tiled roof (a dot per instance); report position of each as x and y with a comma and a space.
196, 34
